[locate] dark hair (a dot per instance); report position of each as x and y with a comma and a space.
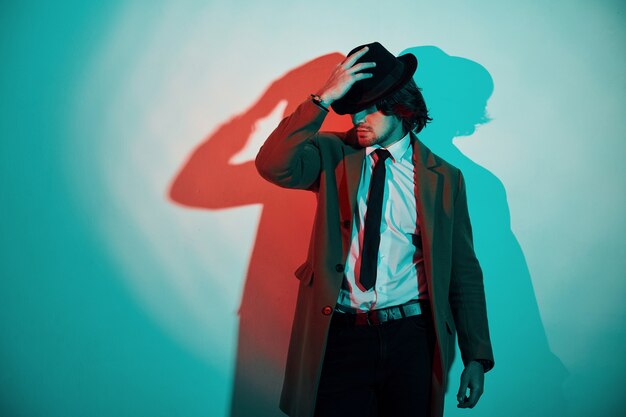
408, 105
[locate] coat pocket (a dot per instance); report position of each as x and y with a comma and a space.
304, 273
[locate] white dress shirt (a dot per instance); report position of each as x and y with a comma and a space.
400, 276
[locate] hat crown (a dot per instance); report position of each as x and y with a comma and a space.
385, 60
389, 74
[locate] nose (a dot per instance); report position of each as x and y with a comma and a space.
358, 118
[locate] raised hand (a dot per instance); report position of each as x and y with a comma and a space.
345, 74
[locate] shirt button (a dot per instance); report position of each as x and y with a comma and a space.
327, 310
339, 268
346, 223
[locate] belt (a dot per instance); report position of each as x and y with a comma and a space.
382, 315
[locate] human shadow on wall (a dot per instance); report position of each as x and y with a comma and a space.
527, 379
210, 180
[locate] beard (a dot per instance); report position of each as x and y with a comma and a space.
369, 138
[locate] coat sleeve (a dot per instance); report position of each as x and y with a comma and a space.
467, 295
290, 157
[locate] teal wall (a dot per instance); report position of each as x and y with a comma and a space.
115, 299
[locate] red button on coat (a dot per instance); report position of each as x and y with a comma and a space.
327, 310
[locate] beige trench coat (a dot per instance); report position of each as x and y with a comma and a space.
297, 155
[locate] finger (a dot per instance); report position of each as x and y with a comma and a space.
460, 396
473, 397
361, 66
462, 404
354, 57
362, 76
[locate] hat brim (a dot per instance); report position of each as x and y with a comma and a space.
344, 106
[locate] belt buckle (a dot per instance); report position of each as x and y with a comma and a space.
383, 315
373, 319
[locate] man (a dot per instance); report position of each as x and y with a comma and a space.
391, 272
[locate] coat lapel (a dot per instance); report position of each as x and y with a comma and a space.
350, 176
428, 190
354, 166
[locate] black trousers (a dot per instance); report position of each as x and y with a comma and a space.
382, 370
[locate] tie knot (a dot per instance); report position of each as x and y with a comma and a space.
381, 155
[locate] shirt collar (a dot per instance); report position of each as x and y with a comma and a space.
398, 150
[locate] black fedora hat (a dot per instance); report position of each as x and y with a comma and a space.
388, 76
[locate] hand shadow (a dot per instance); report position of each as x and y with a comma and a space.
528, 378
209, 180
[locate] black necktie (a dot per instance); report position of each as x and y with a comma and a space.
371, 237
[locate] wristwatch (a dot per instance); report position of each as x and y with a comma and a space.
318, 100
